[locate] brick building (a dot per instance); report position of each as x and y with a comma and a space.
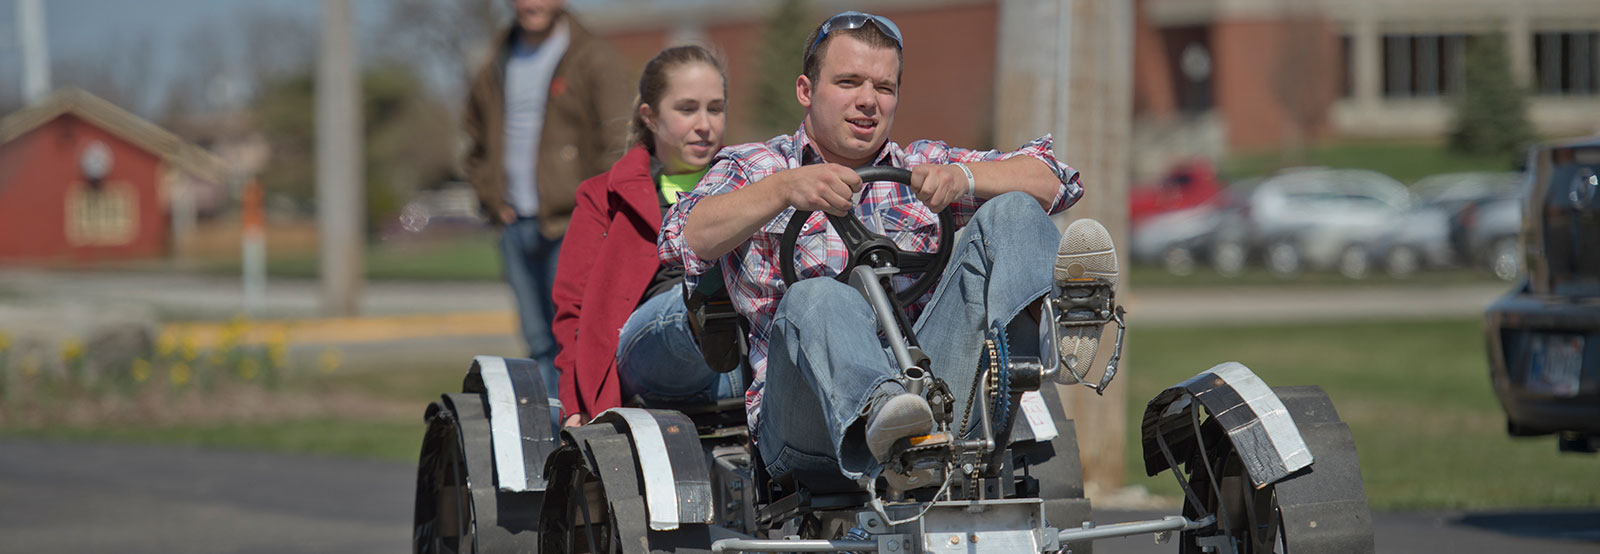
1211, 76
1264, 70
956, 105
83, 180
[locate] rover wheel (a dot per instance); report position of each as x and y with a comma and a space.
596, 501
1319, 509
444, 509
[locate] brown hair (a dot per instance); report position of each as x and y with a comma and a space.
653, 83
869, 34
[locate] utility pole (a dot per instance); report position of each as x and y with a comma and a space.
340, 210
35, 51
1068, 65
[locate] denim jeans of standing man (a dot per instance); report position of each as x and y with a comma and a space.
658, 359
530, 268
827, 359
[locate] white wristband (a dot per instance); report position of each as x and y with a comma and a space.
972, 184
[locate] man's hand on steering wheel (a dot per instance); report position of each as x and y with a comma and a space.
866, 247
825, 187
938, 185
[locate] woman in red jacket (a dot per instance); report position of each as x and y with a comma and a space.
614, 300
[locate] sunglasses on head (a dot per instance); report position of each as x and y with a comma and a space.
855, 20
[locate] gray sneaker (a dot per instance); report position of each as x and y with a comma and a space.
894, 415
1086, 252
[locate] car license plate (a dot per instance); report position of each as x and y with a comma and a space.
1557, 365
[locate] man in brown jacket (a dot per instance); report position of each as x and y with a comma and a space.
549, 109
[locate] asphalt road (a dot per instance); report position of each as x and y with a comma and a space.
74, 498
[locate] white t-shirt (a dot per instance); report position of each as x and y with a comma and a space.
528, 74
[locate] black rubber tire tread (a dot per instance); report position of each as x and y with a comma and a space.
1319, 509
487, 519
442, 515
602, 455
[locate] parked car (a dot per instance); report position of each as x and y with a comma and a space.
1417, 239
451, 208
1174, 240
1187, 185
1322, 218
1427, 235
1454, 191
1489, 235
1544, 335
1181, 240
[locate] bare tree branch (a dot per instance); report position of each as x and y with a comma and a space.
447, 37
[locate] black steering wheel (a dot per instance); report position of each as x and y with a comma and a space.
864, 247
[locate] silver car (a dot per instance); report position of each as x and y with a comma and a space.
1431, 234
1322, 218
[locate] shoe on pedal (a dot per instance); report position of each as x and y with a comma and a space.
1086, 252
895, 414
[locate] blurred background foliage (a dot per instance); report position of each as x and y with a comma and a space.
1491, 118
775, 111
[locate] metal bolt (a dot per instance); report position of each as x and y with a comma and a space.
955, 539
894, 546
973, 537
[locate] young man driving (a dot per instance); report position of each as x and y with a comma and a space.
824, 404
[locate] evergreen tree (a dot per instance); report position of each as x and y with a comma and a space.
1491, 114
775, 110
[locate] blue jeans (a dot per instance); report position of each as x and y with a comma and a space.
657, 357
530, 267
826, 359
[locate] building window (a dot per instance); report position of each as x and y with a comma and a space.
1188, 53
107, 215
1347, 87
1566, 63
1423, 65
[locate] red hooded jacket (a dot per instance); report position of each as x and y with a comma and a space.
607, 260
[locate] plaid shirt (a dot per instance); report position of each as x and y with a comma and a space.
753, 279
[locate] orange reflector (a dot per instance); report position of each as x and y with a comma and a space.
930, 439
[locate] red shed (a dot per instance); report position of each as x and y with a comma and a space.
84, 180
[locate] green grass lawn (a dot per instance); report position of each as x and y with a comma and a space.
1406, 161
1143, 275
1416, 395
410, 386
464, 257
372, 439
